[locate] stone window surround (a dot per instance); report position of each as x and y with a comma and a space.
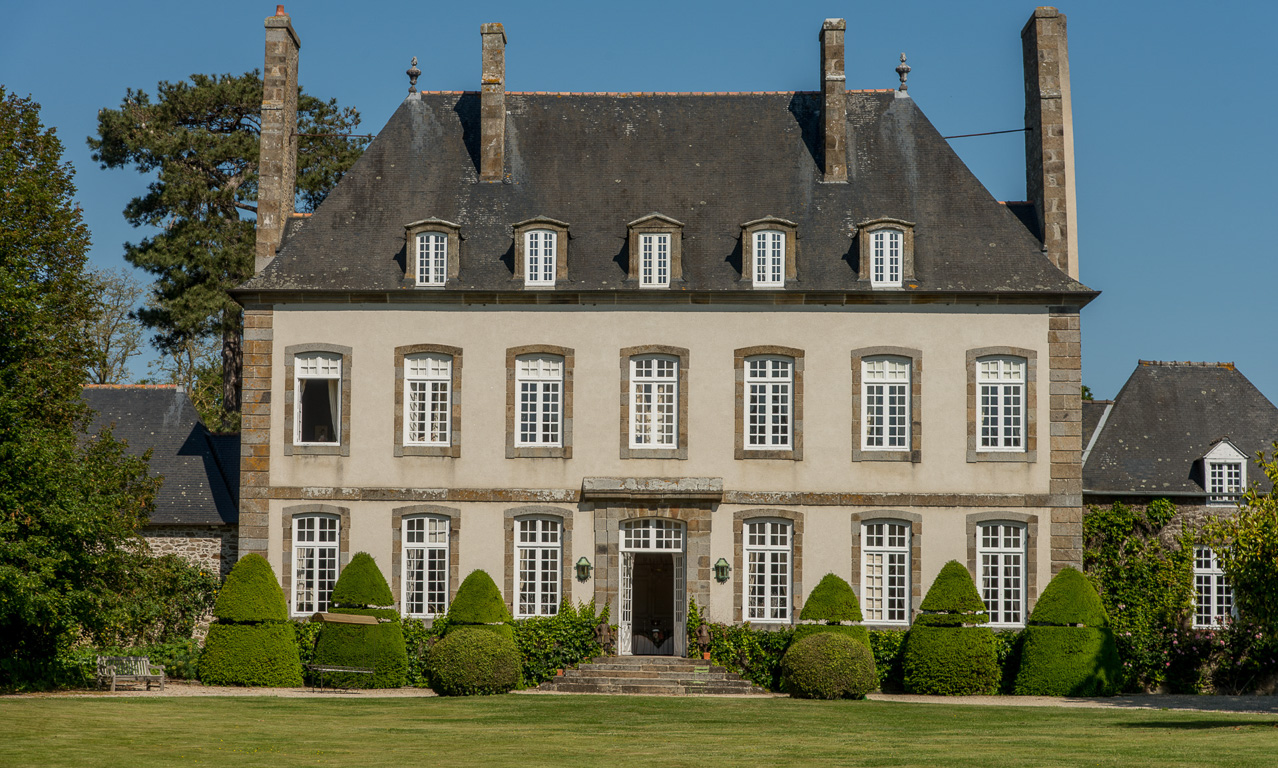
1031, 549
655, 224
865, 248
400, 400
796, 559
343, 447
453, 265
1030, 454
915, 521
560, 229
768, 223
795, 451
398, 515
563, 451
915, 453
680, 451
565, 518
287, 516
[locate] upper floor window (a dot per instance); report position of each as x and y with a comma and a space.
318, 392
886, 258
539, 383
654, 401
315, 546
432, 258
1213, 595
768, 547
1224, 481
770, 401
539, 550
1001, 390
768, 248
654, 260
428, 380
885, 403
1000, 554
431, 246
540, 257
886, 248
654, 243
769, 259
885, 572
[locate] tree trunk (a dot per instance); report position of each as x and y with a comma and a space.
232, 361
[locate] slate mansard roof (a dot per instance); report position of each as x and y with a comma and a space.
1167, 416
710, 161
200, 470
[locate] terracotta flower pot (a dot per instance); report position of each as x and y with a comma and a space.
705, 655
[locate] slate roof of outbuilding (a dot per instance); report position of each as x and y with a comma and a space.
200, 470
711, 161
1165, 419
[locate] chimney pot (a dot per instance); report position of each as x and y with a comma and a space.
279, 11
834, 113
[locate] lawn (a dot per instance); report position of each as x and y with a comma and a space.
613, 731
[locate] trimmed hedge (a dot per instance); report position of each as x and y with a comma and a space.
362, 584
832, 601
360, 590
471, 662
953, 592
1069, 599
251, 654
829, 666
251, 593
478, 601
944, 657
1060, 658
854, 631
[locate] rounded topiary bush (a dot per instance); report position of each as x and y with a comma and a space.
478, 601
1069, 649
854, 631
251, 593
251, 642
832, 601
943, 655
362, 590
828, 666
469, 661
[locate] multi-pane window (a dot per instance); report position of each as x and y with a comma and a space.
315, 544
432, 258
538, 548
767, 552
885, 572
885, 403
652, 533
885, 258
539, 257
1000, 553
1213, 595
1001, 385
654, 400
769, 258
654, 260
769, 403
539, 384
318, 394
425, 566
1224, 481
428, 383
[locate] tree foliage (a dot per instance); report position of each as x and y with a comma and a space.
113, 332
1246, 545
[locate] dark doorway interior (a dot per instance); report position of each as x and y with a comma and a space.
653, 603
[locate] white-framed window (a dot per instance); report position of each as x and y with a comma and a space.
768, 547
317, 387
538, 550
885, 258
1213, 594
1000, 554
539, 382
315, 546
652, 533
1001, 386
769, 259
432, 258
540, 256
428, 399
654, 260
769, 402
1224, 482
654, 401
885, 403
425, 566
885, 572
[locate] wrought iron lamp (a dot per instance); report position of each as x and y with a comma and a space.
721, 570
583, 569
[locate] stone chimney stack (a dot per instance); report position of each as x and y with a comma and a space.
1049, 138
277, 163
834, 112
492, 104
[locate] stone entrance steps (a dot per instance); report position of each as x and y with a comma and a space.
651, 676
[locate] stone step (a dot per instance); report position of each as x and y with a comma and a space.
645, 674
655, 689
677, 668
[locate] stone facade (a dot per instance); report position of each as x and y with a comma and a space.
215, 549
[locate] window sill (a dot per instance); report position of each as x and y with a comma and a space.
680, 454
786, 454
446, 451
864, 454
316, 450
538, 452
1015, 457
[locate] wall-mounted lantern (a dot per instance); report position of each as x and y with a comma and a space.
721, 570
583, 569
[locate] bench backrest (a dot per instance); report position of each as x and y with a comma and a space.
124, 665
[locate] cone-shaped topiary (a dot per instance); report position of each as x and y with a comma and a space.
361, 589
829, 666
1062, 658
478, 601
469, 661
251, 643
362, 585
832, 602
942, 655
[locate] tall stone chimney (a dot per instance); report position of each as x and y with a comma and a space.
834, 112
277, 163
1049, 138
492, 104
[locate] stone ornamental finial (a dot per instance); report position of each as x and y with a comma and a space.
413, 73
903, 70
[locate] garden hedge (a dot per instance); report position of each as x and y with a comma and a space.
251, 641
854, 631
832, 601
829, 666
362, 590
362, 585
469, 661
478, 601
251, 593
1061, 658
944, 655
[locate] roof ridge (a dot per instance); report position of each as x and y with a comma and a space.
1188, 363
655, 93
131, 386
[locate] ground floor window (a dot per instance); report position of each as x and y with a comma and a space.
1000, 553
315, 544
539, 549
885, 572
425, 566
1213, 594
768, 575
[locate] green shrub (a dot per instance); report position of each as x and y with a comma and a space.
362, 585
1069, 600
478, 601
471, 662
943, 657
1068, 661
953, 592
251, 654
359, 591
832, 601
829, 666
888, 646
251, 593
754, 654
562, 641
854, 631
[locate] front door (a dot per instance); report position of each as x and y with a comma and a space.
652, 597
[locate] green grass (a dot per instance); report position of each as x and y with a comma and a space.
613, 731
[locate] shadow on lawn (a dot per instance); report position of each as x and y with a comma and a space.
1201, 725
1249, 704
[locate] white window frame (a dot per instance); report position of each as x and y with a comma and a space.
426, 542
1002, 560
769, 258
318, 366
654, 401
768, 549
316, 565
1225, 481
654, 259
769, 403
428, 399
885, 403
432, 258
1001, 403
885, 571
541, 257
539, 396
1213, 594
538, 566
887, 248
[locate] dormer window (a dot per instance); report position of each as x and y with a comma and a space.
887, 252
1225, 472
432, 258
885, 261
655, 251
654, 260
540, 250
432, 252
767, 252
541, 246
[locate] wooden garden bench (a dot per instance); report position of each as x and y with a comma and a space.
129, 669
321, 669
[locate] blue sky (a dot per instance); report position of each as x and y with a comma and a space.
1174, 113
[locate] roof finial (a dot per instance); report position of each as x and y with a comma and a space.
413, 73
903, 70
